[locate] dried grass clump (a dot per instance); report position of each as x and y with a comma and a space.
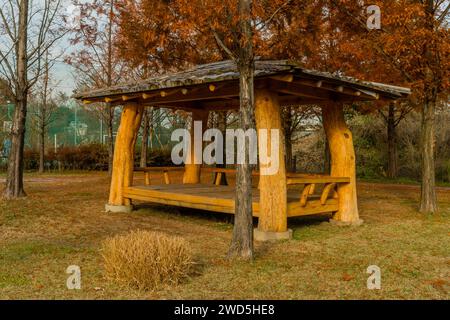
145, 260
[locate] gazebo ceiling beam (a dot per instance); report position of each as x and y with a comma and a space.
219, 104
299, 90
209, 92
205, 92
299, 101
341, 89
130, 97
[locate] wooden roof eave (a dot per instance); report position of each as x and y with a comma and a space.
366, 87
225, 71
314, 88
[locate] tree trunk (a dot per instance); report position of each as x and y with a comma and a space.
130, 123
288, 147
222, 126
110, 112
343, 161
288, 138
43, 117
14, 177
428, 203
428, 189
272, 179
151, 126
242, 240
144, 145
41, 148
392, 143
110, 123
192, 171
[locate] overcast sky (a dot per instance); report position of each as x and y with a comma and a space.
62, 72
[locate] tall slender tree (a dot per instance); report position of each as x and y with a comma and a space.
43, 107
97, 61
413, 40
193, 31
23, 43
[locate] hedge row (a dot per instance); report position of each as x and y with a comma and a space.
86, 157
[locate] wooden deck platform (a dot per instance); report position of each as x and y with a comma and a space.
221, 198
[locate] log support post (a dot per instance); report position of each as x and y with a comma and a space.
123, 162
272, 223
193, 169
343, 163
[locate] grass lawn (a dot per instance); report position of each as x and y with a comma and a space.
62, 222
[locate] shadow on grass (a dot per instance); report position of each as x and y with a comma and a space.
223, 221
184, 213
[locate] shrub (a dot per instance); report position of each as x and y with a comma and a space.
156, 157
145, 260
83, 157
92, 156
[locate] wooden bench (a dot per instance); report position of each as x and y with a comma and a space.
307, 202
164, 170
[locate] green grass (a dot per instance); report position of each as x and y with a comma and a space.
62, 222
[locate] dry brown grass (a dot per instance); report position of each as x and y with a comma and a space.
145, 260
62, 222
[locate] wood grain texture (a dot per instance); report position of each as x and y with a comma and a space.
343, 162
221, 199
192, 171
123, 163
273, 188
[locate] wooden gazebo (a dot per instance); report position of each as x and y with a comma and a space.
215, 87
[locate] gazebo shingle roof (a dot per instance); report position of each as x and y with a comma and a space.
226, 72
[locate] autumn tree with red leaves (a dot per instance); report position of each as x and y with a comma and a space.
178, 33
413, 41
329, 35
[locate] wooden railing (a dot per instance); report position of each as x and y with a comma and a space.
164, 170
309, 186
222, 171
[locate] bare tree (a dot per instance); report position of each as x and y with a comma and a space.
396, 113
292, 117
44, 108
23, 42
97, 61
145, 134
242, 240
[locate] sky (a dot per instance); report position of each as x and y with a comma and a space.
64, 78
63, 73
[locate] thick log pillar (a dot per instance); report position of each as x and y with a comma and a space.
272, 223
343, 162
123, 163
192, 170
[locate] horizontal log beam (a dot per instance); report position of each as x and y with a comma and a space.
300, 90
310, 180
158, 169
340, 89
